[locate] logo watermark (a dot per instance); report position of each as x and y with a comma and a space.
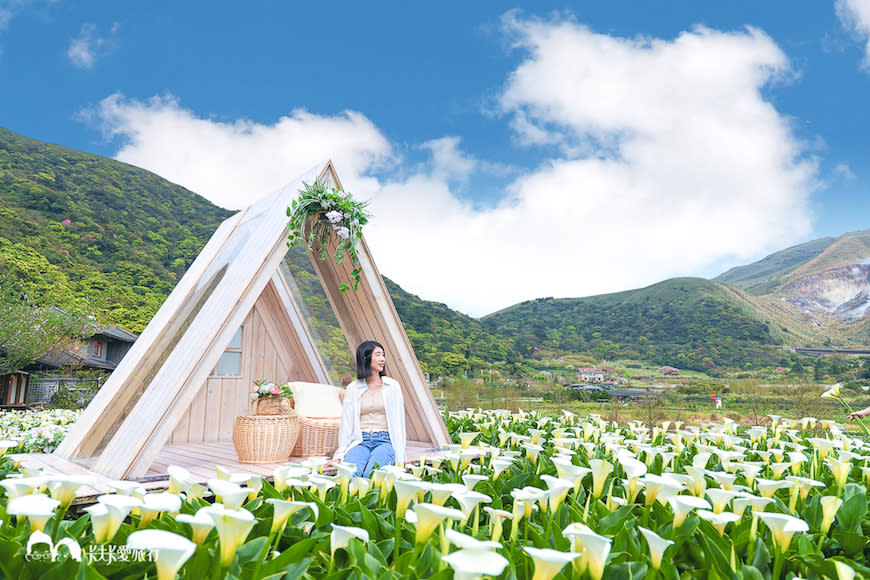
38, 538
106, 553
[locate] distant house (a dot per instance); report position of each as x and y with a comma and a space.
102, 350
590, 375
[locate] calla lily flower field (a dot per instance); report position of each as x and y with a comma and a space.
520, 495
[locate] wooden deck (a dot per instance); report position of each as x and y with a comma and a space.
200, 459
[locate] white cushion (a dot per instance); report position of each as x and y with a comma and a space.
316, 399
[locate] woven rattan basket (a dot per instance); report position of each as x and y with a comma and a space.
265, 438
316, 437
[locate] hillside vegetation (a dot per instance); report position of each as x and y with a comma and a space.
121, 235
764, 276
689, 323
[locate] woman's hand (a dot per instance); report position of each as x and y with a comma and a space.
858, 414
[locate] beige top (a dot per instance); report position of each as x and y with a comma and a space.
372, 414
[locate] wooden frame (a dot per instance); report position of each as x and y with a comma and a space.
163, 382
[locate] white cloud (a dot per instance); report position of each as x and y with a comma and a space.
84, 49
844, 172
9, 8
855, 17
669, 160
235, 163
448, 161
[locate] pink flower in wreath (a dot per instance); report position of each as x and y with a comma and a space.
254, 389
275, 390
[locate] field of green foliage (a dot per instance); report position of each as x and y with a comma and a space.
520, 495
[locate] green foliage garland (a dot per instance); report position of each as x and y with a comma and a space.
335, 212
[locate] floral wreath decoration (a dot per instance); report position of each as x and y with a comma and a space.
336, 212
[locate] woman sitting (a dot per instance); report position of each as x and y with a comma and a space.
372, 430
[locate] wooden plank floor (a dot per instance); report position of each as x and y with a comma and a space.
200, 459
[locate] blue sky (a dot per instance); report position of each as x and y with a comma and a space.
510, 151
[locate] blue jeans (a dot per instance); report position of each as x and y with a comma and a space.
375, 449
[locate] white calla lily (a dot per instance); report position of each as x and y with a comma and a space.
549, 562
64, 488
37, 508
341, 536
466, 542
284, 509
830, 505
782, 527
108, 515
178, 476
657, 546
682, 505
154, 504
232, 526
718, 519
429, 517
471, 564
600, 470
232, 495
171, 550
201, 523
558, 489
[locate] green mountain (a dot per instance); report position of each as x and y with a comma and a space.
763, 276
814, 294
683, 322
121, 235
445, 341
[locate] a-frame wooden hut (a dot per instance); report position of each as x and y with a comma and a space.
239, 300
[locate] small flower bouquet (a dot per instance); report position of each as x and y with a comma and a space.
337, 213
271, 399
834, 393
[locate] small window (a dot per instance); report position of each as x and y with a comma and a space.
97, 349
230, 363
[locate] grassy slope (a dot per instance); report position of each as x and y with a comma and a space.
764, 276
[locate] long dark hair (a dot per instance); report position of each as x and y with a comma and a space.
364, 359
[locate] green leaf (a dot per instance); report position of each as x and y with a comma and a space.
761, 556
616, 520
250, 551
852, 543
625, 571
854, 507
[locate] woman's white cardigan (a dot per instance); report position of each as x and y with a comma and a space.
349, 433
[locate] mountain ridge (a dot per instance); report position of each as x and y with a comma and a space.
124, 235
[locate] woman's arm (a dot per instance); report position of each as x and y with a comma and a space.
400, 437
345, 428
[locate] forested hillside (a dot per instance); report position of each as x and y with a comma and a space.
688, 323
448, 342
121, 235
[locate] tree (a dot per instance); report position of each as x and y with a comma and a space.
39, 315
